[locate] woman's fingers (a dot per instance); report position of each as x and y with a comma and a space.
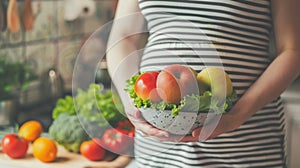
149, 130
143, 126
196, 132
217, 126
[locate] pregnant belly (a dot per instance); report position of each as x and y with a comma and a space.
244, 66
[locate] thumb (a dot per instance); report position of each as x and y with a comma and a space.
196, 132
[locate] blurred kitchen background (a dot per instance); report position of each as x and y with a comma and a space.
51, 48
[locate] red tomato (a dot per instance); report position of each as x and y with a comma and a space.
92, 149
125, 127
115, 141
14, 146
145, 86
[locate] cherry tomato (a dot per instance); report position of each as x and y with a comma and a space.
92, 149
115, 141
145, 86
14, 146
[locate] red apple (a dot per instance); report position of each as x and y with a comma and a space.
175, 82
145, 86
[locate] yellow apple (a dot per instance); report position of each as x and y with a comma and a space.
216, 79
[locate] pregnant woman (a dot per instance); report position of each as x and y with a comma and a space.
234, 35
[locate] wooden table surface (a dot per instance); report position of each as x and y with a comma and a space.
64, 159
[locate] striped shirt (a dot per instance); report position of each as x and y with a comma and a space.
234, 35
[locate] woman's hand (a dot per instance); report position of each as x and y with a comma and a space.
147, 130
218, 125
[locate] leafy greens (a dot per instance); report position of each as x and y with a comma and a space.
94, 104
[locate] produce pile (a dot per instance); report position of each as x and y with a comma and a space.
94, 128
181, 88
15, 145
91, 124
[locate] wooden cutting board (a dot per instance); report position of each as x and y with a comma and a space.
64, 159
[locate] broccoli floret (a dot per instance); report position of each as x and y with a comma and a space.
67, 131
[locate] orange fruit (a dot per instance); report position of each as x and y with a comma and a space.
44, 149
30, 130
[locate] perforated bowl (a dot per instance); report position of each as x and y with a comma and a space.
181, 124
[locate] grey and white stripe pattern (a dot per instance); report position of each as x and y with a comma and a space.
230, 34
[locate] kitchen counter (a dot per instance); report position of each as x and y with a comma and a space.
64, 159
